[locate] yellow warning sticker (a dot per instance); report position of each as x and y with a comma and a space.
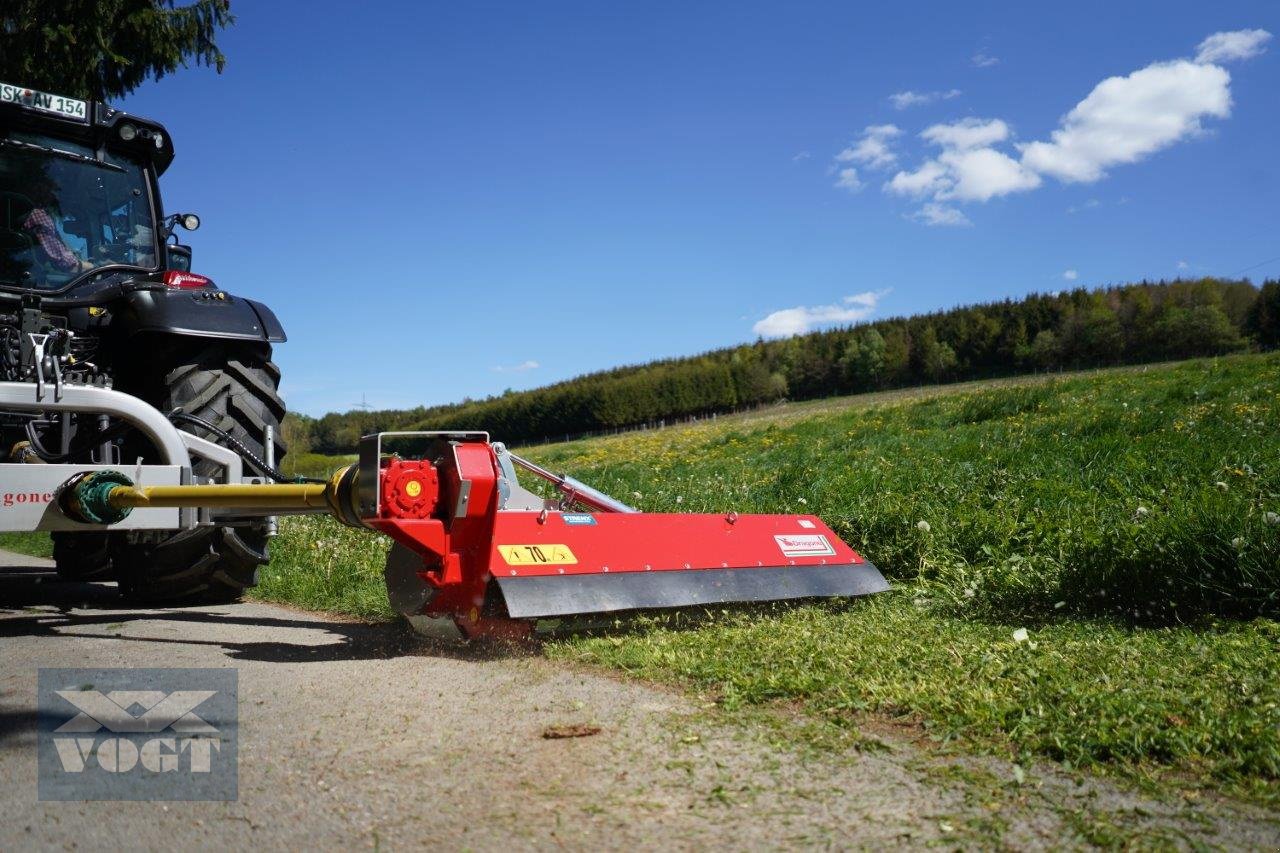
537, 555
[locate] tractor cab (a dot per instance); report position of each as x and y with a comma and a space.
79, 199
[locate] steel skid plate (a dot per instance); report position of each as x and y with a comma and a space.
561, 564
532, 598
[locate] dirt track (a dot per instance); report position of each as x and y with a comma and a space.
360, 735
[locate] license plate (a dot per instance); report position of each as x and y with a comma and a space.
44, 102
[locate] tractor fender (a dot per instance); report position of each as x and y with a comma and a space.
197, 312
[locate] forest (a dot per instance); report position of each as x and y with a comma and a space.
1080, 328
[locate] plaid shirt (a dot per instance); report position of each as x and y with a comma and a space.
41, 226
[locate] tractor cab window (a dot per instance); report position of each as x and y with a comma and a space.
64, 212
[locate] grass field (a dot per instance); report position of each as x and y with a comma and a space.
1086, 569
1149, 494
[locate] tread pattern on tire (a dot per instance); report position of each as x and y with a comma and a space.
234, 387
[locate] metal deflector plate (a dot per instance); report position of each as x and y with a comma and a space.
566, 595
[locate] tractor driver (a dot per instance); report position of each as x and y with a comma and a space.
40, 224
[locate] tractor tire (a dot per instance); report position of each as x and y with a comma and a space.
234, 387
82, 556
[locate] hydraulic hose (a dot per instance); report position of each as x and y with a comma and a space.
179, 416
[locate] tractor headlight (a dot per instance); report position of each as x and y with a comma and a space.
128, 132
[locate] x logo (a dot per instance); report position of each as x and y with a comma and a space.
162, 711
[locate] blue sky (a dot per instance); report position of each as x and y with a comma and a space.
447, 200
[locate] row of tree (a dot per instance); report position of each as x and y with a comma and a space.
1072, 329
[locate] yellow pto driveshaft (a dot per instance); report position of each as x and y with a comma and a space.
107, 497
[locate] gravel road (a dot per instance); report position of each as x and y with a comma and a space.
364, 735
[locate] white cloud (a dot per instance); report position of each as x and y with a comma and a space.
980, 174
903, 100
522, 367
906, 100
872, 149
934, 213
797, 321
1183, 265
1071, 275
1087, 205
1125, 119
1239, 44
968, 169
982, 59
803, 155
967, 133
928, 179
847, 179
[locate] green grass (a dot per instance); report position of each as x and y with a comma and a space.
1128, 520
1203, 699
32, 544
314, 464
320, 564
1150, 494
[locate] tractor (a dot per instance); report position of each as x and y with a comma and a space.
96, 292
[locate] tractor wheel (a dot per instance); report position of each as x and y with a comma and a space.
82, 556
233, 387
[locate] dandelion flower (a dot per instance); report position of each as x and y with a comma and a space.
1020, 635
803, 501
1238, 542
679, 499
923, 526
1221, 486
969, 592
1141, 511
1271, 518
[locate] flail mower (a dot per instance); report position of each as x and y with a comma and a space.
139, 415
478, 554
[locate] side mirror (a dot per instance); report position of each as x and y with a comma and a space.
179, 258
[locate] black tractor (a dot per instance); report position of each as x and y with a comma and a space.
96, 290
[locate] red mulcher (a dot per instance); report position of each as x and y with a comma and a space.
476, 552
